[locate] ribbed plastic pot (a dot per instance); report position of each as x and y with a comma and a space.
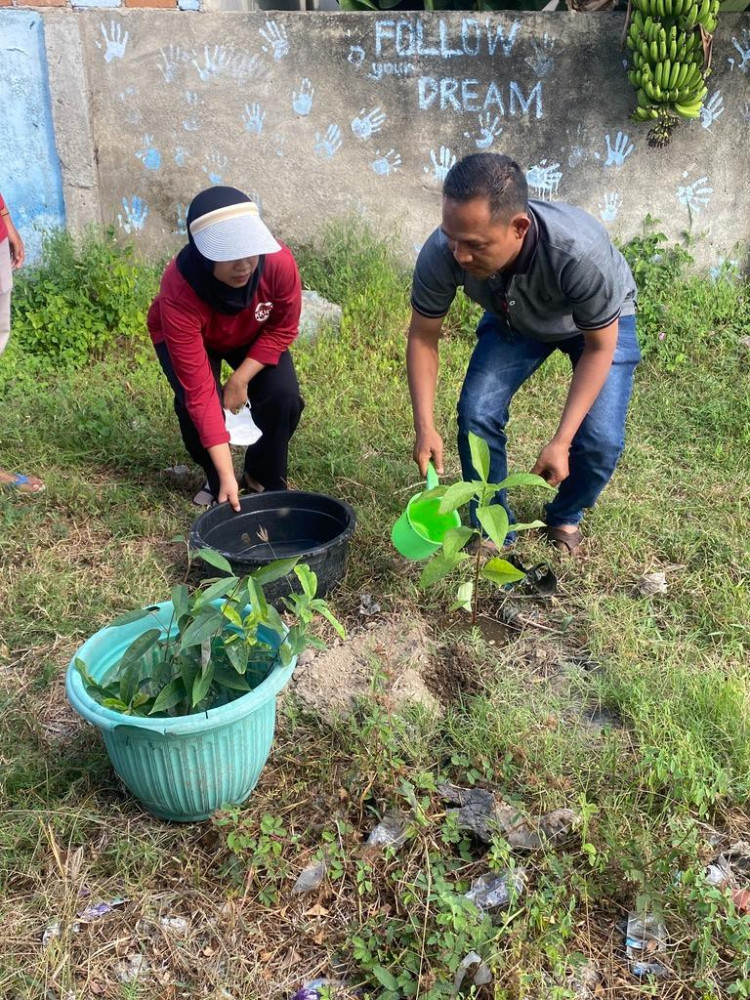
185, 768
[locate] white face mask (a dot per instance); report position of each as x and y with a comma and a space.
242, 428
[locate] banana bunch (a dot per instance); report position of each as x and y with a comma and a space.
667, 57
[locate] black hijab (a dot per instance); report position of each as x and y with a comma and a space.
198, 270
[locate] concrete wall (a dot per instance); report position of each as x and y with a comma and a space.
320, 115
30, 177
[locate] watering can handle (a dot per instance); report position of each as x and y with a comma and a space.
432, 477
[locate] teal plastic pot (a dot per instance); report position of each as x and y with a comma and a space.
185, 768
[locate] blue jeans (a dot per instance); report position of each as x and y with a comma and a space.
501, 363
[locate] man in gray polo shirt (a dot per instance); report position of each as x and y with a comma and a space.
549, 279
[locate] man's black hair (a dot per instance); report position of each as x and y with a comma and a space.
491, 176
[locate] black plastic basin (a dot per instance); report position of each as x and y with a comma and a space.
278, 525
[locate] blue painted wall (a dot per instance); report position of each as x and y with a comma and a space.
30, 178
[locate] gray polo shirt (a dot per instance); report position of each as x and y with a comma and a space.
568, 277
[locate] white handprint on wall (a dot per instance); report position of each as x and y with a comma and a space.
442, 162
367, 124
253, 118
386, 164
544, 179
134, 214
620, 151
302, 102
330, 143
115, 42
712, 109
275, 36
696, 195
610, 209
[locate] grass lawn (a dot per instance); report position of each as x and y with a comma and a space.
631, 710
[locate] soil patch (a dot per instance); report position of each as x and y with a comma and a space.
394, 654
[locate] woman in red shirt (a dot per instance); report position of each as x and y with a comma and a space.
11, 257
232, 294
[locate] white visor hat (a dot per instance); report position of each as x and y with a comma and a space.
232, 232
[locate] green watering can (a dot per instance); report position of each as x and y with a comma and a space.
420, 530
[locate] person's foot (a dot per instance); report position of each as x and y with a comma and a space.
565, 538
23, 484
252, 484
204, 497
487, 546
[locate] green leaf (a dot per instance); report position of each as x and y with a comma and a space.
274, 571
455, 540
526, 527
230, 680
457, 495
480, 456
230, 612
138, 647
189, 670
522, 479
308, 579
202, 683
116, 704
169, 696
464, 595
237, 655
202, 627
494, 520
438, 567
322, 608
434, 493
180, 599
214, 559
500, 571
220, 588
133, 616
385, 978
88, 680
256, 597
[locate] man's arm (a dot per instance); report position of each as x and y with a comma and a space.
588, 378
422, 371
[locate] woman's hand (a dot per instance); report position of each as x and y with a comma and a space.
229, 490
17, 253
235, 394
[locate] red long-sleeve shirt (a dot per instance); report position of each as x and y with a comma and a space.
189, 326
3, 227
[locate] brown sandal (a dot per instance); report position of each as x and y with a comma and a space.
564, 541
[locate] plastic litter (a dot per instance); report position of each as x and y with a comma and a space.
242, 428
652, 583
485, 814
367, 606
51, 931
316, 987
481, 976
390, 831
645, 940
492, 892
176, 925
92, 913
309, 878
133, 968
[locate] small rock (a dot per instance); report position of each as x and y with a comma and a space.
652, 583
318, 314
745, 342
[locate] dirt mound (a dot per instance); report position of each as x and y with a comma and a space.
396, 652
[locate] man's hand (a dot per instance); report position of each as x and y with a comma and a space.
553, 463
428, 445
235, 394
229, 490
17, 253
